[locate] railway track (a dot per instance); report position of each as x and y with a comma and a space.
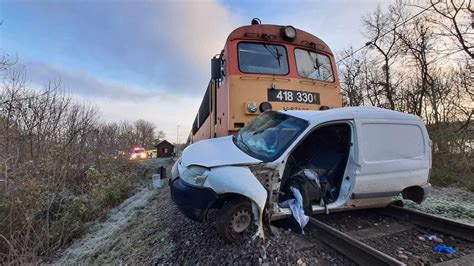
395, 236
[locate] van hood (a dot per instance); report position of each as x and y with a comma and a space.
216, 152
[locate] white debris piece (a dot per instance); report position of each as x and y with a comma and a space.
296, 206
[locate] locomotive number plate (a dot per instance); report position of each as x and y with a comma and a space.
275, 95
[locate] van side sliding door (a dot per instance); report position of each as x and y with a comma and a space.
391, 156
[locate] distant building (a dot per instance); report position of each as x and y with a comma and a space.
164, 149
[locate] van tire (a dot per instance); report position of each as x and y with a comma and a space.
233, 214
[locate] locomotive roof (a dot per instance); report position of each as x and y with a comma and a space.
303, 38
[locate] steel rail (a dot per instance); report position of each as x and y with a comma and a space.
444, 225
351, 247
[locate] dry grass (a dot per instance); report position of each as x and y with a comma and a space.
39, 217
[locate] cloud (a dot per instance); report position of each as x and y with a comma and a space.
165, 113
151, 59
163, 44
83, 84
198, 29
117, 102
132, 59
336, 22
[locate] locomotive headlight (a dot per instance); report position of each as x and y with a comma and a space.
252, 107
289, 33
265, 106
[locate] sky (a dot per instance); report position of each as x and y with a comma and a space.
147, 59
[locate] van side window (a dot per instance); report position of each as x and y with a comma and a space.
388, 142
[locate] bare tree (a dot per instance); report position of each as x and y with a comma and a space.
160, 135
48, 143
381, 29
13, 86
414, 67
145, 133
454, 22
418, 43
351, 71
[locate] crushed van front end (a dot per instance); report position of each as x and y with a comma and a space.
192, 201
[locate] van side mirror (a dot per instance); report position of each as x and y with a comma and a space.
216, 68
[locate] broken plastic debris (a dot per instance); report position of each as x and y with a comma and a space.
434, 238
296, 207
445, 249
156, 180
259, 222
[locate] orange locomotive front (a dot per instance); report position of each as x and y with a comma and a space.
265, 67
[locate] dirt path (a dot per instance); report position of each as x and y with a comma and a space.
101, 235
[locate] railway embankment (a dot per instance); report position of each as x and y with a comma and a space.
156, 232
148, 228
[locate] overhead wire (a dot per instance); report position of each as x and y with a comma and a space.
444, 56
387, 32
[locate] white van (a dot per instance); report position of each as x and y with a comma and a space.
342, 158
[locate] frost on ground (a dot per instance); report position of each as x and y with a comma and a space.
159, 234
454, 203
101, 233
149, 229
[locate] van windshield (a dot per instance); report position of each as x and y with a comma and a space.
267, 136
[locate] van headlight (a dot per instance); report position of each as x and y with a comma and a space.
195, 175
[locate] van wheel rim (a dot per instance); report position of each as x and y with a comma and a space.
240, 221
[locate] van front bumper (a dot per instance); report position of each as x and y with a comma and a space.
192, 201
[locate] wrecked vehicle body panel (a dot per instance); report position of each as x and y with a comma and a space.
360, 158
218, 152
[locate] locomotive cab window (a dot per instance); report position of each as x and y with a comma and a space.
313, 65
263, 58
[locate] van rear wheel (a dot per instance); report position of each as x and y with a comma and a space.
234, 218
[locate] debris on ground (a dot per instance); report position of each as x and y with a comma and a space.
296, 207
445, 249
411, 246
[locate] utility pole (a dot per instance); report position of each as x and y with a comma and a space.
177, 134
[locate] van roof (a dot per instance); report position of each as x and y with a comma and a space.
367, 112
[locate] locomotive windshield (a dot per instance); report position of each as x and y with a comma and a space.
313, 65
263, 58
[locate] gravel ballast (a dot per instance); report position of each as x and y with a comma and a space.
169, 237
156, 232
411, 246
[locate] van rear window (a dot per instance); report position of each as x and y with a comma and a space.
388, 142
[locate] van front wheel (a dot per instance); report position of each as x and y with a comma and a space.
234, 218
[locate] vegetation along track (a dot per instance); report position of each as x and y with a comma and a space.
395, 236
